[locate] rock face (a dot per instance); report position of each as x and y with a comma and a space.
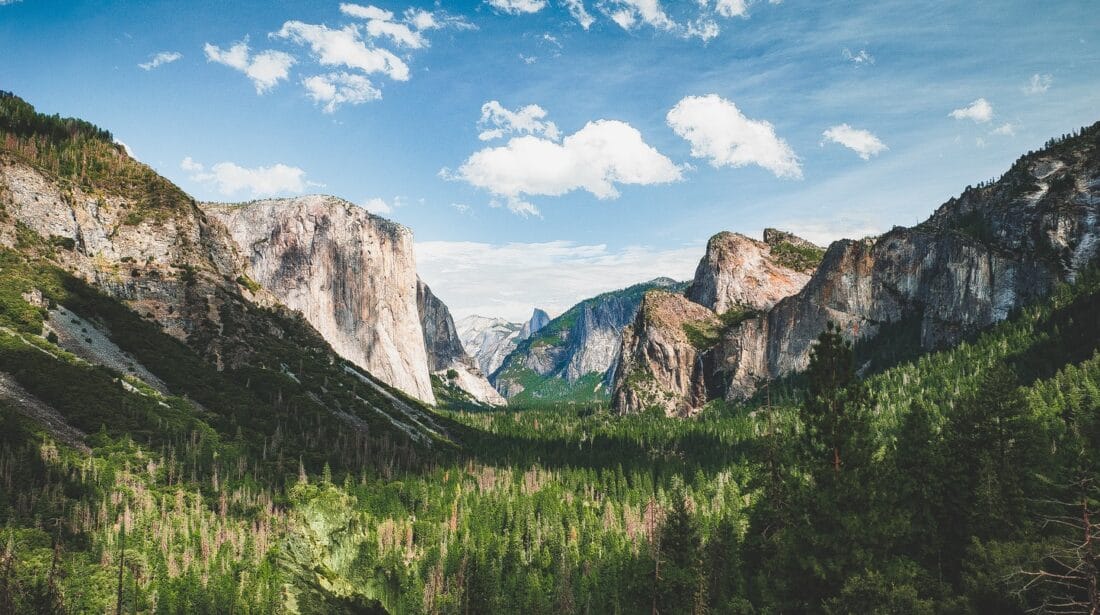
676, 353
660, 366
980, 256
446, 356
739, 272
538, 320
488, 340
581, 344
170, 264
350, 273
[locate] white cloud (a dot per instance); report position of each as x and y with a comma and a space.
377, 206
732, 8
859, 58
461, 208
160, 59
508, 280
980, 111
496, 122
229, 178
399, 32
1039, 84
718, 131
335, 89
344, 47
421, 19
1007, 129
858, 140
517, 7
265, 69
595, 158
631, 13
365, 12
579, 13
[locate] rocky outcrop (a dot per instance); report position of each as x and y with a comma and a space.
680, 350
582, 343
978, 258
488, 340
351, 274
739, 272
661, 367
446, 356
538, 320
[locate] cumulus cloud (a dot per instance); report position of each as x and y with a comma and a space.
858, 140
1007, 129
579, 13
265, 69
229, 178
596, 158
377, 206
510, 279
344, 47
496, 122
335, 89
980, 111
517, 7
719, 132
160, 59
1039, 84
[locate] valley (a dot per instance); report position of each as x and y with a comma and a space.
261, 407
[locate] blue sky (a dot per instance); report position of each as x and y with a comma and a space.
656, 126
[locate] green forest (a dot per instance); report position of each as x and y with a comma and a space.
960, 481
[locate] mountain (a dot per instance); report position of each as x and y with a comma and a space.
977, 259
490, 340
350, 273
447, 359
539, 319
570, 358
669, 356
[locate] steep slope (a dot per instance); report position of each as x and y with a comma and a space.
446, 356
976, 260
739, 272
672, 354
350, 273
572, 356
491, 340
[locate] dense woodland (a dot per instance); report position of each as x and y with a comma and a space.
963, 481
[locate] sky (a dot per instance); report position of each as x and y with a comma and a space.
543, 151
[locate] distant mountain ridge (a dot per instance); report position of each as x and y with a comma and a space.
571, 358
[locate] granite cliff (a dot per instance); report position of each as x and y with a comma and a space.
447, 359
671, 355
993, 249
350, 273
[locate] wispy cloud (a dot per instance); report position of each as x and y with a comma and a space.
518, 7
1039, 84
860, 141
335, 89
231, 179
496, 122
160, 59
